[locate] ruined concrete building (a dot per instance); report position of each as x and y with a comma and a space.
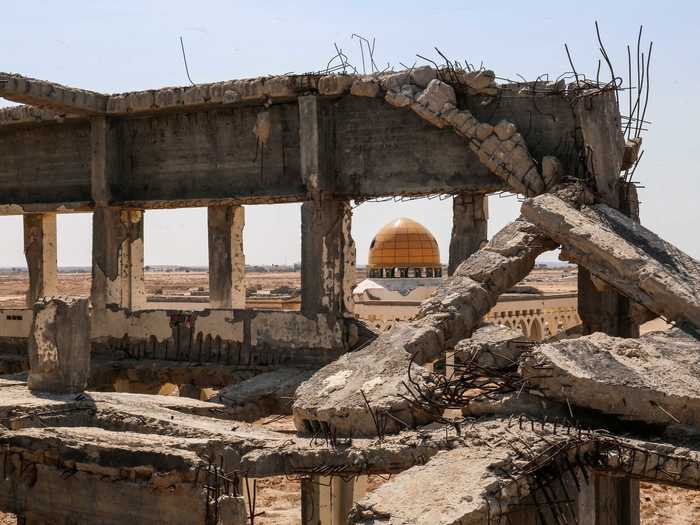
511, 434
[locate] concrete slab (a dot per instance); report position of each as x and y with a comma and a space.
654, 379
265, 394
624, 254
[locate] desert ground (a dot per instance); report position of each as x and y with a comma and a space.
14, 284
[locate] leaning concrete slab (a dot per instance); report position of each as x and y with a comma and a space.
654, 379
460, 303
624, 254
59, 345
332, 399
363, 393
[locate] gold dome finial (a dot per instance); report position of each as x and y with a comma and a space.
404, 244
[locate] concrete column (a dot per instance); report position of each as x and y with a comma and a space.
616, 501
470, 215
327, 257
226, 257
40, 252
316, 500
601, 308
117, 258
341, 499
327, 500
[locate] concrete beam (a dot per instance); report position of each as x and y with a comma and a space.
226, 257
51, 95
327, 257
470, 215
624, 254
40, 252
117, 259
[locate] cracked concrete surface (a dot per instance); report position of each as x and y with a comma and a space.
654, 379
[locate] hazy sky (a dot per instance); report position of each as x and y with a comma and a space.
127, 45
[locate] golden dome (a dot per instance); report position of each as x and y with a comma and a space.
404, 243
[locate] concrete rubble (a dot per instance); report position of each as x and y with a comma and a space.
508, 433
333, 396
262, 395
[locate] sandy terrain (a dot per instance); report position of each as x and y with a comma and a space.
13, 285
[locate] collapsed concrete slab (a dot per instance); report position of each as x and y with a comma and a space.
262, 395
470, 478
460, 303
624, 254
530, 472
654, 379
363, 393
333, 398
112, 478
59, 345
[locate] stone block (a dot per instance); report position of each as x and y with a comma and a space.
365, 88
436, 95
422, 76
335, 84
59, 345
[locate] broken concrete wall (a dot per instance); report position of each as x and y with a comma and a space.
144, 482
624, 254
390, 134
230, 337
59, 346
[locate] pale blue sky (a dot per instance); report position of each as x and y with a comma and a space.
127, 45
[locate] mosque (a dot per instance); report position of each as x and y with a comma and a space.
404, 264
404, 268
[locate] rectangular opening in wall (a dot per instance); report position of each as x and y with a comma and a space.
14, 279
176, 259
272, 247
74, 254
